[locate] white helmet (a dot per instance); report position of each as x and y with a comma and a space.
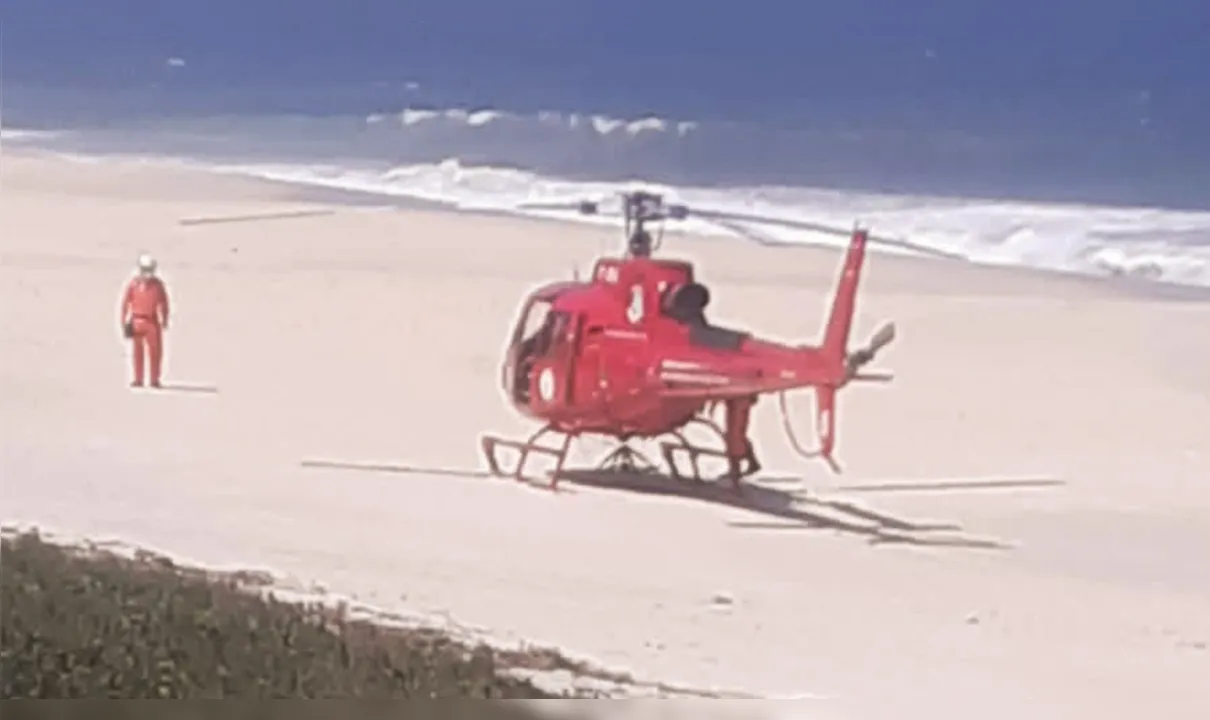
146, 264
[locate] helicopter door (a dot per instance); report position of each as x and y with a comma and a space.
540, 350
551, 375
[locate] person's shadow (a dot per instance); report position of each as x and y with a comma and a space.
193, 388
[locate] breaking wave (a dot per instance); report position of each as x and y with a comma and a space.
1171, 246
601, 124
478, 159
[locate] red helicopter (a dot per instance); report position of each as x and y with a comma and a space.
628, 354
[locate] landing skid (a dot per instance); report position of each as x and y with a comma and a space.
623, 459
695, 453
525, 447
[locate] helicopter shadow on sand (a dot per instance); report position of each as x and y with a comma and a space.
781, 502
784, 504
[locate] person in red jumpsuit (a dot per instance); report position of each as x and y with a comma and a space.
144, 318
739, 447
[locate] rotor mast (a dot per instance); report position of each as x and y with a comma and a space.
638, 209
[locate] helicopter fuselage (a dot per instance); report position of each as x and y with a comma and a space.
606, 356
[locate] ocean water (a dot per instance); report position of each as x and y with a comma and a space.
1061, 134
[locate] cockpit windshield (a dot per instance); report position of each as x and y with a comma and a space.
537, 319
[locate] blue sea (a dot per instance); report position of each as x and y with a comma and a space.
1067, 134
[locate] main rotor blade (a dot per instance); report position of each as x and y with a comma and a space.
719, 216
797, 224
745, 232
584, 207
731, 221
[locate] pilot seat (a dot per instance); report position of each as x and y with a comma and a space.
687, 304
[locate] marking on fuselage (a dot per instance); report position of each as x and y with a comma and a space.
626, 334
546, 384
674, 364
698, 378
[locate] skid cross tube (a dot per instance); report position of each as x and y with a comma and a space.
626, 459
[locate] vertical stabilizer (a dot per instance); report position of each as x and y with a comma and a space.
844, 304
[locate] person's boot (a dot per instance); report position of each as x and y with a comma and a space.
754, 465
734, 471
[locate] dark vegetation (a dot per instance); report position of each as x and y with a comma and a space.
91, 624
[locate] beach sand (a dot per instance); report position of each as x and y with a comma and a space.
1064, 419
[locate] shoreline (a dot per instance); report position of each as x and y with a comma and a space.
332, 198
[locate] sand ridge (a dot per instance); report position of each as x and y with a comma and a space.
1063, 419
